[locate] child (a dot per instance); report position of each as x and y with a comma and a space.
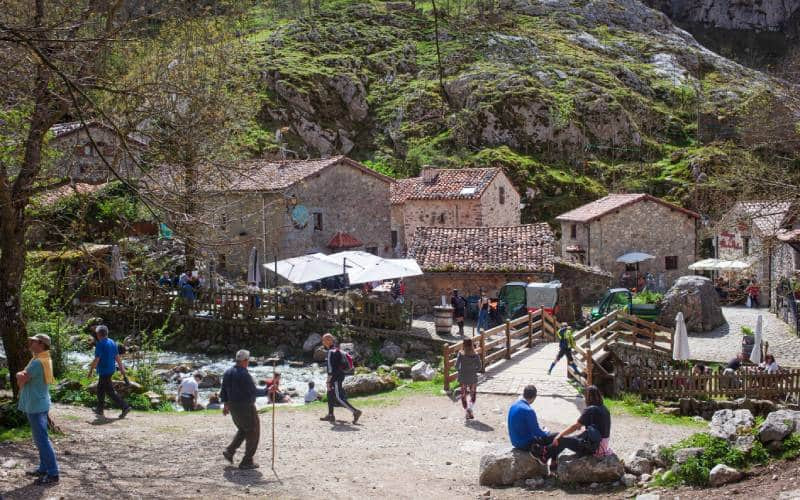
311, 395
468, 364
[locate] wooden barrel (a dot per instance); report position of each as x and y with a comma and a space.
443, 319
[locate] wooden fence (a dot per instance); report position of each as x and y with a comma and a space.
257, 306
746, 382
499, 343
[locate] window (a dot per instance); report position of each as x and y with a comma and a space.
394, 239
466, 191
573, 231
746, 245
502, 195
441, 218
317, 221
372, 250
671, 262
223, 222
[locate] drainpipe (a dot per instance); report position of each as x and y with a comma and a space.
589, 243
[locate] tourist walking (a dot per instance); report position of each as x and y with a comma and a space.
34, 402
337, 365
566, 343
483, 312
468, 365
188, 391
238, 396
106, 359
459, 307
596, 422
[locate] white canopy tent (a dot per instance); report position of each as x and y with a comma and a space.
720, 265
360, 267
306, 268
385, 269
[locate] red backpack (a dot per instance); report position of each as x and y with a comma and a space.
347, 361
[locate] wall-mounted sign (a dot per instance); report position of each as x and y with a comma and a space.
299, 216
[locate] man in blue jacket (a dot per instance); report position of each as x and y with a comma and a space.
238, 396
523, 426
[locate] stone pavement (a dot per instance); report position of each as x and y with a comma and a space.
529, 366
723, 343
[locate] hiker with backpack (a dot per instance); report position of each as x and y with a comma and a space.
338, 364
468, 365
566, 343
596, 421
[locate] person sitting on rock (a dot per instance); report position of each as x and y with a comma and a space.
272, 389
311, 394
213, 402
596, 421
523, 426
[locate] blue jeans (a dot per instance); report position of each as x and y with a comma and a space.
483, 320
47, 457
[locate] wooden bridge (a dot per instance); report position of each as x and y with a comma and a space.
520, 351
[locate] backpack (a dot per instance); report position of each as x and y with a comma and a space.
347, 361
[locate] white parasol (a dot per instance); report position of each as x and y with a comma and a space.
385, 269
634, 257
307, 268
253, 267
755, 356
680, 344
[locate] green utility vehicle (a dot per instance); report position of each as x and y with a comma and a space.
622, 298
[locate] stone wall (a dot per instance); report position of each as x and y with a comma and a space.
645, 226
493, 212
592, 283
439, 213
348, 199
425, 291
85, 164
396, 224
741, 243
626, 357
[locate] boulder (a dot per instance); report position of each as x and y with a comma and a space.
422, 371
744, 443
370, 383
722, 474
320, 354
778, 425
650, 452
312, 341
391, 351
402, 369
638, 465
505, 466
684, 454
120, 387
154, 398
68, 385
728, 424
181, 369
210, 380
696, 297
590, 469
628, 480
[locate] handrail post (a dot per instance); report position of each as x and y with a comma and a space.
530, 330
483, 351
589, 363
446, 368
508, 340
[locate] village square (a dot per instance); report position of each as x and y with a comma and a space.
425, 249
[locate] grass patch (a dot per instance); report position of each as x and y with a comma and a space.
15, 434
632, 404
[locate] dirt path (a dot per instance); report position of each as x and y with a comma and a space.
416, 447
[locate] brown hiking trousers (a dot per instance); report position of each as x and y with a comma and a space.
248, 429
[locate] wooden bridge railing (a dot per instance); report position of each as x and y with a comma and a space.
674, 384
256, 306
499, 343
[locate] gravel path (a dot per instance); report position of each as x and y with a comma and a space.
415, 447
723, 343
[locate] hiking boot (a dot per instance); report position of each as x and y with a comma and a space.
35, 473
356, 416
328, 418
228, 456
98, 412
46, 480
248, 466
125, 411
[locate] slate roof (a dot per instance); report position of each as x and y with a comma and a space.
63, 129
598, 208
526, 248
766, 216
447, 184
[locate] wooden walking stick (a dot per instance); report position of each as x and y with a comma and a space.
274, 393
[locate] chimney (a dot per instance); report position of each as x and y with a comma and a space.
429, 174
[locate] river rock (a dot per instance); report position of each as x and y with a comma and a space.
589, 469
320, 354
638, 465
422, 371
369, 383
722, 474
696, 297
311, 342
744, 443
154, 398
684, 454
628, 480
506, 465
296, 364
727, 424
68, 385
778, 425
391, 351
120, 387
210, 380
402, 369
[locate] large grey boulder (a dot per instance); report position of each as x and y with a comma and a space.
728, 424
590, 469
722, 474
638, 465
422, 371
391, 351
696, 297
120, 387
778, 425
505, 466
311, 342
368, 383
684, 454
210, 380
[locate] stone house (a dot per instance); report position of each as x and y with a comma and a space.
83, 162
474, 258
465, 197
292, 208
598, 233
761, 233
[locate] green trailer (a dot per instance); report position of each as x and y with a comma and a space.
622, 298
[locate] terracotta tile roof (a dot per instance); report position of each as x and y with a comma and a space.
444, 184
766, 216
66, 128
527, 248
342, 240
52, 196
599, 208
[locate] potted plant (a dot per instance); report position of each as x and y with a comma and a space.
748, 341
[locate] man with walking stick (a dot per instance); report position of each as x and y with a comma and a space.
238, 396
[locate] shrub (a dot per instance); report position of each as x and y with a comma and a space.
791, 447
694, 472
